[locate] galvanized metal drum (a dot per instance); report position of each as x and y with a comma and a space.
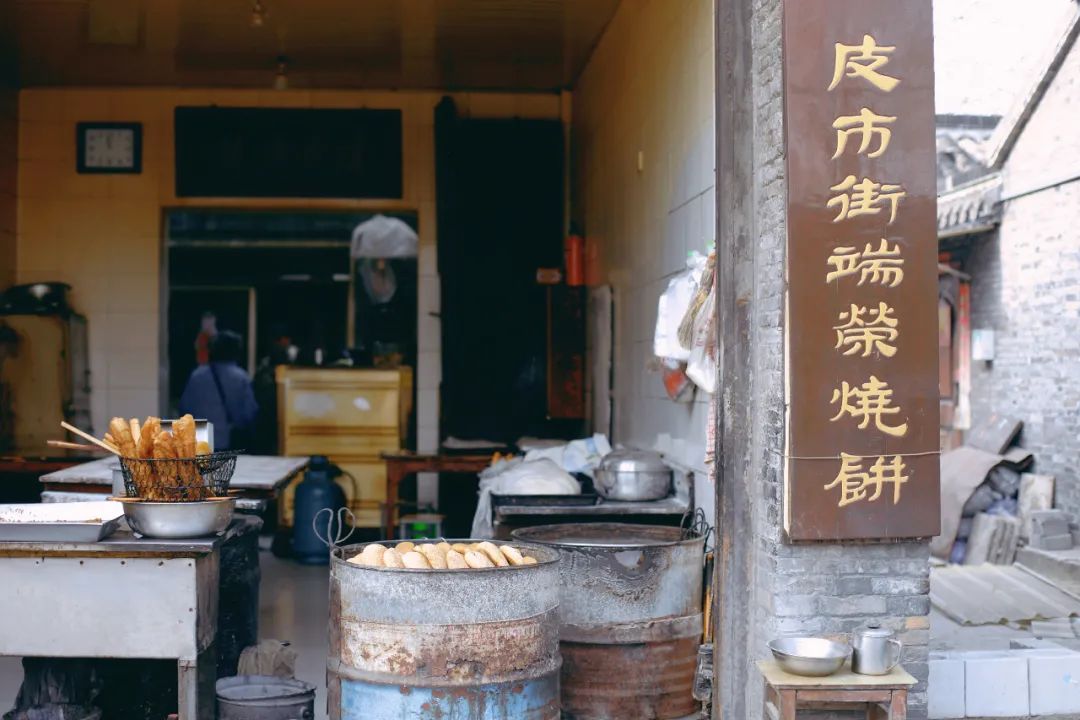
631, 622
468, 644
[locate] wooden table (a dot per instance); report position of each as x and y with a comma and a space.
399, 465
36, 465
883, 696
19, 475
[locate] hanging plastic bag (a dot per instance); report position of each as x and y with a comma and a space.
383, 237
672, 307
701, 367
576, 456
678, 386
704, 287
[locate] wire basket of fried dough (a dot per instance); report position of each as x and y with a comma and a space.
163, 466
178, 479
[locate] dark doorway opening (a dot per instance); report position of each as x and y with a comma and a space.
499, 185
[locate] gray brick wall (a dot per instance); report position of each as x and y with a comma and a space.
822, 588
1026, 287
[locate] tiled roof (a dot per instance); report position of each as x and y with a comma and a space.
970, 208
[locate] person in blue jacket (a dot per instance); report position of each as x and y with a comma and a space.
221, 392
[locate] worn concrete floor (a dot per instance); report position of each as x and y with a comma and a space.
293, 607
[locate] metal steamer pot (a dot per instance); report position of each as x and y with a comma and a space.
633, 475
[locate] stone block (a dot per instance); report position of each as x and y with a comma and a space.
1036, 494
1052, 542
1049, 522
996, 685
946, 695
1054, 685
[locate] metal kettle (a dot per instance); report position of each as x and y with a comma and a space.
877, 651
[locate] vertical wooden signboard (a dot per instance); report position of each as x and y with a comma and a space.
862, 460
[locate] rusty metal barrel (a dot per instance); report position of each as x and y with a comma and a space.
631, 620
467, 644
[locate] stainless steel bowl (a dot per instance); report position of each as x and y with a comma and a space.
177, 520
634, 475
811, 656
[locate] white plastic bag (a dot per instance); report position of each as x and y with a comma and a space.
672, 307
518, 477
383, 237
577, 456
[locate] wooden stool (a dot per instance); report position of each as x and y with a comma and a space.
883, 696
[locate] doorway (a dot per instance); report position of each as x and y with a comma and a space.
270, 277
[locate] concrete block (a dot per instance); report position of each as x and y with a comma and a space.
1056, 628
1054, 685
1052, 542
1061, 567
1051, 648
946, 689
1049, 522
996, 686
1036, 494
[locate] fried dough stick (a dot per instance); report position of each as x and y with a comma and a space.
148, 435
183, 431
121, 432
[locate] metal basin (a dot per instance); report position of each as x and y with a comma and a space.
177, 520
259, 697
811, 656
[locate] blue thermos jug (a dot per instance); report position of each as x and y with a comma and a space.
316, 492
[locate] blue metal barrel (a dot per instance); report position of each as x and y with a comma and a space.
444, 644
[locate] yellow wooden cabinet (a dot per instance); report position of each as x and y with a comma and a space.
351, 416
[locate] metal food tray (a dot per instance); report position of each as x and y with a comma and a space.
79, 522
584, 499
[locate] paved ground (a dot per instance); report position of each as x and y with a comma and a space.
295, 607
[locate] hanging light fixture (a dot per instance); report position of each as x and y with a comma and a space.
258, 14
281, 77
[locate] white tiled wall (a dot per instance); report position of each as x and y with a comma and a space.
648, 93
103, 236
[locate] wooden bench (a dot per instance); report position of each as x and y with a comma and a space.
883, 696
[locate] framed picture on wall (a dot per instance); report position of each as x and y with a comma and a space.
108, 147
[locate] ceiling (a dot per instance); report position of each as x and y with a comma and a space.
435, 44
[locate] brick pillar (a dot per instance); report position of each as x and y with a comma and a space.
766, 586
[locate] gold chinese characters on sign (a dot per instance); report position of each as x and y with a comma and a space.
863, 330
883, 266
861, 422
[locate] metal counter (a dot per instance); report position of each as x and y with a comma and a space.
123, 597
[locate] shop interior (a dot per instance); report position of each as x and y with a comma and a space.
440, 231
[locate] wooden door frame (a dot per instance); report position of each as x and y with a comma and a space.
733, 579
